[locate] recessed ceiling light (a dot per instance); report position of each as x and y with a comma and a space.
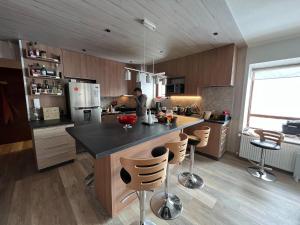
107, 30
215, 33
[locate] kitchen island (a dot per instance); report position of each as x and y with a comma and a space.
109, 141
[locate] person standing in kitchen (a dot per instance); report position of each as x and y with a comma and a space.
141, 101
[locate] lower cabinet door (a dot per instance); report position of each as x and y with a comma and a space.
53, 146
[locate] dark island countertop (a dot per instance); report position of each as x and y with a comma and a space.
109, 137
49, 123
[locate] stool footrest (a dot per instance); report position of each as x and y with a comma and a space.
128, 196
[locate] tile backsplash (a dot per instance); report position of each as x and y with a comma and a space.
213, 98
217, 98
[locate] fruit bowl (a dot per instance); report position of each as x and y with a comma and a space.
127, 120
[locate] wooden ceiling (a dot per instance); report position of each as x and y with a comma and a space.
183, 26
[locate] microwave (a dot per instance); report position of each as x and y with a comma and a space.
175, 86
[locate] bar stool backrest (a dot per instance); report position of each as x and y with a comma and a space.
177, 149
203, 134
146, 174
270, 136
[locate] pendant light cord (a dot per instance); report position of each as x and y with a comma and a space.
144, 49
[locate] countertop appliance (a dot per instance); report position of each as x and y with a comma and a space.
84, 104
175, 86
291, 127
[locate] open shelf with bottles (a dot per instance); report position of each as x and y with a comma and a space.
45, 87
38, 75
50, 94
50, 60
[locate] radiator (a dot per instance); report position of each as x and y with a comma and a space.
283, 159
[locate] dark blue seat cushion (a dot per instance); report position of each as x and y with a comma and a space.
193, 140
265, 144
125, 176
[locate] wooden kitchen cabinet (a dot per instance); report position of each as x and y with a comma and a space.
192, 78
110, 76
72, 64
53, 145
211, 68
92, 68
217, 66
108, 73
216, 146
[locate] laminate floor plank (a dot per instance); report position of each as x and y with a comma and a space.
59, 196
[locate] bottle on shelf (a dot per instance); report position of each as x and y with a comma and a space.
33, 87
43, 54
36, 50
31, 50
59, 89
43, 71
54, 88
57, 74
39, 88
46, 87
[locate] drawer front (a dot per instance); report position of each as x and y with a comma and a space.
53, 142
53, 145
56, 159
55, 148
51, 131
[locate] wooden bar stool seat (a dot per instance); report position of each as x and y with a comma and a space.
166, 205
199, 139
143, 175
268, 140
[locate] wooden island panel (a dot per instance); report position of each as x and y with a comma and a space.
110, 189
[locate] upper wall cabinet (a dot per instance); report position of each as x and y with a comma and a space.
217, 66
206, 69
73, 66
108, 73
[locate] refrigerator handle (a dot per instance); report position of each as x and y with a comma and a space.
92, 107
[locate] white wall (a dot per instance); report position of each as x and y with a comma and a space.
273, 53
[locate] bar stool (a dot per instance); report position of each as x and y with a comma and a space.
164, 204
199, 139
143, 175
268, 140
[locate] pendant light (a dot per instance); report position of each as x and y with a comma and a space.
148, 79
138, 77
156, 79
127, 75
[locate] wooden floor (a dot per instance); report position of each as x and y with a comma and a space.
59, 196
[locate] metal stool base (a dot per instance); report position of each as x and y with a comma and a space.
191, 181
166, 208
266, 176
146, 222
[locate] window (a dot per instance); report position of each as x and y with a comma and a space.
275, 97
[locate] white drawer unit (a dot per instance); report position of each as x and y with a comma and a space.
53, 145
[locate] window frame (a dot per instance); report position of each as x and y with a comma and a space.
249, 114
